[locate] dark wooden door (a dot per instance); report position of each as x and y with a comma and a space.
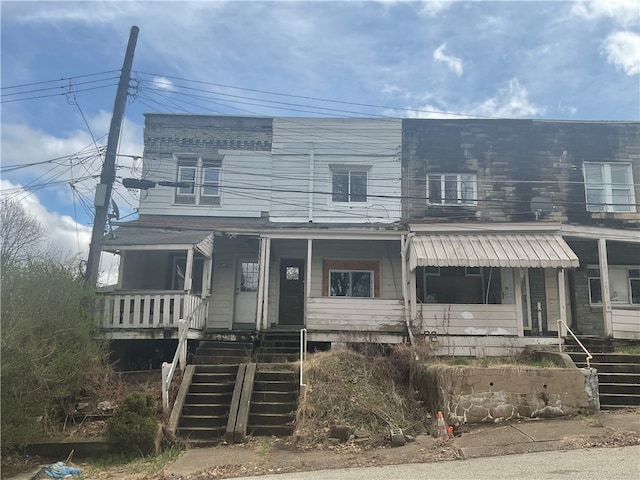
291, 306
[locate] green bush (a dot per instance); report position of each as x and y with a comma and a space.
134, 425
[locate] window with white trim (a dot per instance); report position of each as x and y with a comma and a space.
201, 181
348, 185
451, 189
609, 187
624, 285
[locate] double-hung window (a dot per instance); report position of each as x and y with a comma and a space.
451, 189
348, 185
609, 187
624, 285
200, 181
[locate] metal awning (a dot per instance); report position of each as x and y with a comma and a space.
509, 250
140, 238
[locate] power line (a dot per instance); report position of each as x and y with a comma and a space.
64, 79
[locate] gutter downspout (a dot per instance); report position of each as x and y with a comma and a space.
312, 158
405, 241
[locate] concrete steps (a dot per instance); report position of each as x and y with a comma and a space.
618, 378
278, 346
212, 352
273, 403
204, 416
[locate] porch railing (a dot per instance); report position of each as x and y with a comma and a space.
303, 354
560, 322
151, 310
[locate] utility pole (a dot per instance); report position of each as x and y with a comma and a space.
108, 174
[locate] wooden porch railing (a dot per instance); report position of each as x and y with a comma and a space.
123, 310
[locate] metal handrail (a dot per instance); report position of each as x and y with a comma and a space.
303, 353
589, 356
168, 370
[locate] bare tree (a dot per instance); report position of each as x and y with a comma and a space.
20, 233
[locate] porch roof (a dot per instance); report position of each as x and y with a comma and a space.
500, 250
140, 238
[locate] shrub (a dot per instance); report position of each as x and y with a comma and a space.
134, 425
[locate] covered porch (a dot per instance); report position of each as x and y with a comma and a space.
164, 277
341, 285
607, 286
487, 288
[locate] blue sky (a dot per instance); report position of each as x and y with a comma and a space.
555, 60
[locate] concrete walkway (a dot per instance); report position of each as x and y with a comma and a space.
523, 436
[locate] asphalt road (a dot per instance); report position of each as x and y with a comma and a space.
597, 463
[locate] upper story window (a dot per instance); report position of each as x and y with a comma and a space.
348, 185
609, 187
451, 189
201, 179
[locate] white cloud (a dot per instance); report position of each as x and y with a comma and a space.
453, 63
624, 12
432, 8
64, 236
623, 50
163, 83
510, 102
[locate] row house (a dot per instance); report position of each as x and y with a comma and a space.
475, 235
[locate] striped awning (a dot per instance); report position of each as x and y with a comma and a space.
512, 250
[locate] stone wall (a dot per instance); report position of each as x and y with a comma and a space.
495, 394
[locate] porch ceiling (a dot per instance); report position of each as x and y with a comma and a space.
140, 238
516, 250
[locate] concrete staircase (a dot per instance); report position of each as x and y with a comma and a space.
214, 352
274, 402
618, 377
204, 416
278, 346
224, 383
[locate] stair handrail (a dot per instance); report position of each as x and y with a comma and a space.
560, 321
169, 369
303, 353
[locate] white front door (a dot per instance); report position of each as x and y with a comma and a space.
247, 274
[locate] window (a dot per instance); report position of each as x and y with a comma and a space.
458, 285
200, 179
451, 189
351, 278
348, 186
624, 285
352, 283
609, 187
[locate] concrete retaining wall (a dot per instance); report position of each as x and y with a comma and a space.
495, 394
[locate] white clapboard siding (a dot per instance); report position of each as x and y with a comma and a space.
468, 319
305, 149
626, 324
355, 314
246, 181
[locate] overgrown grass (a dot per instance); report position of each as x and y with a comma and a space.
114, 466
367, 393
629, 349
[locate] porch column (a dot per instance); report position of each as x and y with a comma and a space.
517, 293
307, 279
261, 282
604, 286
206, 276
267, 264
562, 298
189, 271
121, 269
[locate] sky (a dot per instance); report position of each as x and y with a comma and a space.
60, 63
